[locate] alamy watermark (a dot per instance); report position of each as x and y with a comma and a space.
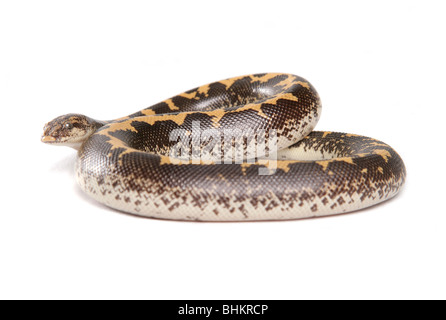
226, 146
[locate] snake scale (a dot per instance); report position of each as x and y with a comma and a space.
209, 154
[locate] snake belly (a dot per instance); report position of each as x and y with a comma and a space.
126, 164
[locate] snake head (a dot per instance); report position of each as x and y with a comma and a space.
70, 130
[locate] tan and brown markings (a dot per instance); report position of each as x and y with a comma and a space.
125, 163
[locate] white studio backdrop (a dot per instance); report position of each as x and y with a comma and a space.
378, 67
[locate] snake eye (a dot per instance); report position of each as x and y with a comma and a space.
68, 125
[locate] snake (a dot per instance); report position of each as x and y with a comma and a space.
239, 149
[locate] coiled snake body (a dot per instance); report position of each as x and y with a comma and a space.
208, 154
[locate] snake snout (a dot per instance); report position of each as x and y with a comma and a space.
47, 136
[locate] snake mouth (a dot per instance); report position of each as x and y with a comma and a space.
48, 139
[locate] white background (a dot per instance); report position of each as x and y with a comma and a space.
379, 68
